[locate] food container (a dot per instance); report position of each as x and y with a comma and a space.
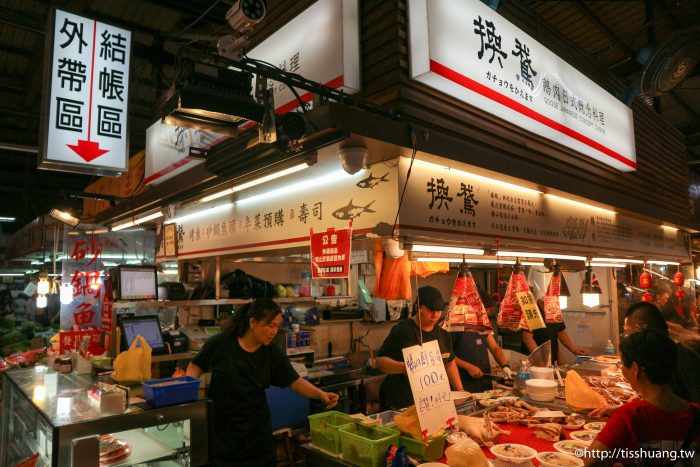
558, 459
513, 453
169, 391
63, 364
541, 372
325, 428
366, 445
541, 390
432, 452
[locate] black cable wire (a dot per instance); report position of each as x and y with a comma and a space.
414, 145
175, 36
302, 104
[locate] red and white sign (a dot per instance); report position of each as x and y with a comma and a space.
86, 117
466, 50
70, 340
330, 253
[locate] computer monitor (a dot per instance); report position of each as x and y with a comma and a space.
147, 327
137, 283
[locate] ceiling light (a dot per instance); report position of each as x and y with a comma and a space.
64, 216
66, 293
466, 260
11, 274
447, 249
197, 214
668, 227
664, 263
579, 203
255, 182
607, 265
41, 301
7, 219
529, 254
618, 260
512, 186
138, 221
590, 288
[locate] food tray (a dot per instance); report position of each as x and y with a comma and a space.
432, 452
366, 445
169, 391
324, 429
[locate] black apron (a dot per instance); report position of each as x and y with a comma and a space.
472, 348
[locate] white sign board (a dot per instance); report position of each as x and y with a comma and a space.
168, 150
468, 51
85, 117
321, 44
278, 214
430, 387
456, 204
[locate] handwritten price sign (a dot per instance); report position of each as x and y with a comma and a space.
430, 386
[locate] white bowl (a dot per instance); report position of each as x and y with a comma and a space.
542, 397
540, 384
558, 459
460, 397
541, 372
513, 453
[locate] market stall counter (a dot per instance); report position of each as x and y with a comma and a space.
52, 416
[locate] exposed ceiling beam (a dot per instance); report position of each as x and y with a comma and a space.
11, 49
22, 20
615, 41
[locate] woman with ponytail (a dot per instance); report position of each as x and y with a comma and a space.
243, 364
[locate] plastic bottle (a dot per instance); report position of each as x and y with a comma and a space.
523, 375
305, 288
609, 348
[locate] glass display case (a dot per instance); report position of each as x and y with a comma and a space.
52, 415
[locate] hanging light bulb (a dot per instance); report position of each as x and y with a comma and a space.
590, 289
41, 301
43, 286
66, 295
564, 293
563, 302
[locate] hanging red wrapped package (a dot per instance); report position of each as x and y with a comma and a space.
510, 312
552, 309
466, 311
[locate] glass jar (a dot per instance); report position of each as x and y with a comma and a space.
63, 364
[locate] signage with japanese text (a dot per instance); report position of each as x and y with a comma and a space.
430, 387
330, 253
85, 114
457, 204
322, 44
466, 50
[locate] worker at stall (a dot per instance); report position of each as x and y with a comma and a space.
243, 364
685, 377
660, 422
554, 332
472, 353
395, 391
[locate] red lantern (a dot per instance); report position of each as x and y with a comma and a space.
680, 293
647, 297
678, 279
645, 280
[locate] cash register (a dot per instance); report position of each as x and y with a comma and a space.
198, 334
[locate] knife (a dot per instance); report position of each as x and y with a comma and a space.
496, 378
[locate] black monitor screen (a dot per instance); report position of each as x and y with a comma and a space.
138, 283
147, 327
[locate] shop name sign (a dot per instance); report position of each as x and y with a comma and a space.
85, 116
468, 51
322, 43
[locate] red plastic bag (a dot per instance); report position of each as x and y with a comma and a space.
510, 312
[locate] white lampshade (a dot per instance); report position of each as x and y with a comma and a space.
563, 302
42, 287
591, 299
66, 295
41, 301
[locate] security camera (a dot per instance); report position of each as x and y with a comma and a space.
244, 14
353, 157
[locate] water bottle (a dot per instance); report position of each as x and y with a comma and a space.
609, 348
305, 289
523, 375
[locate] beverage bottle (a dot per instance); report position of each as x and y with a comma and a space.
305, 289
523, 375
609, 348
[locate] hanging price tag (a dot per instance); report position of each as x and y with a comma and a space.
529, 306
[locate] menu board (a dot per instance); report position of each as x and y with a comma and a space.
430, 387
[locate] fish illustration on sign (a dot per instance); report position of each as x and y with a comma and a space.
350, 211
372, 181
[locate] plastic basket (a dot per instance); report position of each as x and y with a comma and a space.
367, 445
169, 391
324, 429
432, 452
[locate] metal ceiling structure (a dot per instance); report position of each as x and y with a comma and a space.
606, 37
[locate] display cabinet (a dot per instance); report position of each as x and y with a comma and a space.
51, 414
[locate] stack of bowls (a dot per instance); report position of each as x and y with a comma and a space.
541, 390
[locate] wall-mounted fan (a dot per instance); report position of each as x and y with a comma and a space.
671, 62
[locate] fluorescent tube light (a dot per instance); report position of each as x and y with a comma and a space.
301, 185
668, 227
525, 254
607, 265
138, 221
7, 219
197, 214
663, 263
579, 203
11, 274
255, 182
618, 260
447, 249
466, 260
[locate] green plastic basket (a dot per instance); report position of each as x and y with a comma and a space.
367, 445
432, 452
324, 429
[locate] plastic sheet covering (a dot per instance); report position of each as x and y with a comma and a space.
510, 312
466, 308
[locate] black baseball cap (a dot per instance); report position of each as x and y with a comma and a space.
431, 298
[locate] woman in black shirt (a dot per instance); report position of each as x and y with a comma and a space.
243, 364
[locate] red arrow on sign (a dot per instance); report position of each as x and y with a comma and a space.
87, 149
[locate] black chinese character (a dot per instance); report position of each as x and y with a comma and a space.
493, 41
109, 121
112, 84
68, 114
294, 63
113, 47
279, 217
73, 71
467, 191
318, 210
303, 213
267, 220
72, 30
526, 70
438, 192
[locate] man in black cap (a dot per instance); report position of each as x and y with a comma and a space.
395, 392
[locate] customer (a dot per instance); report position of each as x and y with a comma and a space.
472, 349
243, 364
661, 421
685, 376
554, 332
395, 391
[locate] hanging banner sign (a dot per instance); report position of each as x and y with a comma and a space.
82, 271
70, 340
330, 253
430, 387
531, 315
468, 51
85, 117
